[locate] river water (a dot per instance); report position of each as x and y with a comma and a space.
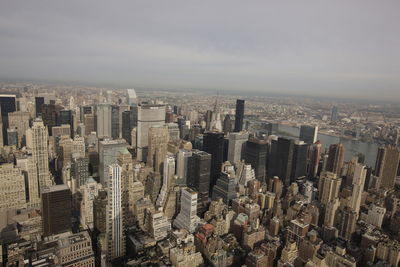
352, 147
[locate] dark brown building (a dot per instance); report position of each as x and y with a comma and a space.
56, 209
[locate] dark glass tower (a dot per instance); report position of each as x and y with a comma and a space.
199, 165
256, 155
299, 162
7, 105
129, 121
50, 116
56, 209
283, 154
65, 117
213, 143
39, 101
239, 115
114, 122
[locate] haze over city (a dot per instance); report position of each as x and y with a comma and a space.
345, 49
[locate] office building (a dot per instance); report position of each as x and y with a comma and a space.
159, 225
115, 133
89, 190
225, 187
236, 146
50, 113
149, 115
199, 166
29, 170
227, 126
37, 140
75, 250
299, 161
7, 105
313, 159
12, 189
387, 164
187, 217
19, 120
157, 147
115, 221
129, 121
182, 166
213, 143
109, 151
328, 187
345, 222
12, 137
239, 115
282, 153
65, 117
103, 121
308, 134
56, 209
131, 97
256, 156
334, 114
335, 159
39, 101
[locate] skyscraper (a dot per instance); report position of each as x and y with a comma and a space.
56, 209
182, 166
314, 156
299, 162
386, 166
114, 122
256, 156
283, 159
308, 134
225, 187
109, 151
103, 113
7, 105
237, 146
227, 127
19, 120
115, 223
239, 115
129, 121
37, 139
149, 115
187, 217
39, 101
213, 143
334, 114
50, 114
335, 159
157, 147
199, 175
12, 189
328, 187
65, 118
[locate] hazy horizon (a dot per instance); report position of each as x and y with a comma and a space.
314, 48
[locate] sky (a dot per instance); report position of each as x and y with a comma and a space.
329, 48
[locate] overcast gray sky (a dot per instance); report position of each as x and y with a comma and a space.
316, 47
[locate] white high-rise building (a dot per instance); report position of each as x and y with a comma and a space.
109, 151
29, 169
360, 172
103, 120
37, 139
78, 147
187, 217
132, 97
168, 176
149, 115
89, 191
237, 142
182, 166
375, 215
244, 173
115, 237
12, 189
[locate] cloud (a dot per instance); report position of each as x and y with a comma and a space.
302, 47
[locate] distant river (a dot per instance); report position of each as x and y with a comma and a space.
351, 147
